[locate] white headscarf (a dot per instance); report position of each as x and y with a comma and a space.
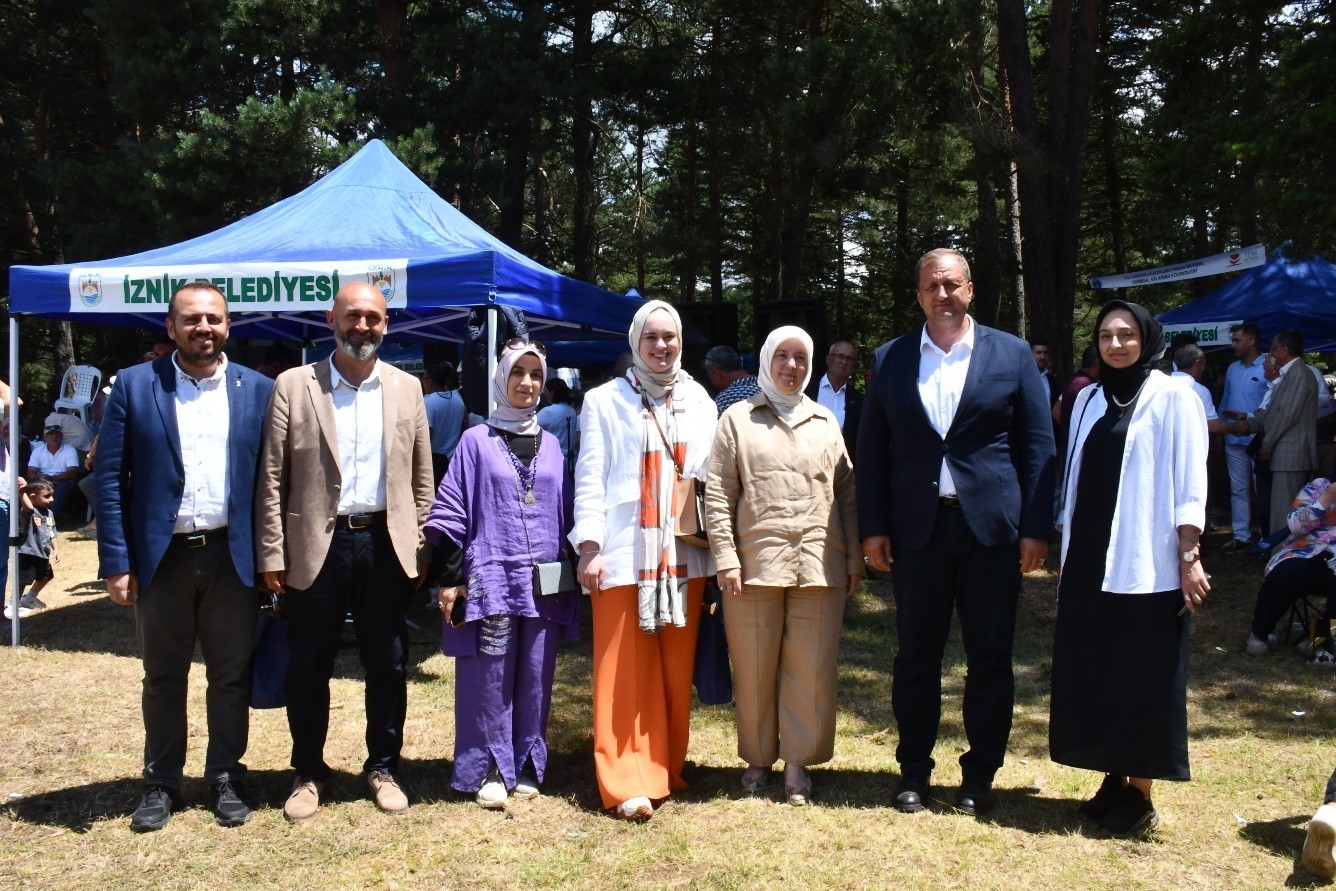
655, 383
783, 402
507, 416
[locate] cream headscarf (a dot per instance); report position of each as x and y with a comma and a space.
783, 402
507, 416
656, 384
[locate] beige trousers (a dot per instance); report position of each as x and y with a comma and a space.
783, 643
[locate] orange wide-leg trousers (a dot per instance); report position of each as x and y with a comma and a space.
642, 697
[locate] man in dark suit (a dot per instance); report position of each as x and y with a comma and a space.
835, 391
174, 480
955, 490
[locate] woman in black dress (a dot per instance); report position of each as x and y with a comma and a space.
1134, 500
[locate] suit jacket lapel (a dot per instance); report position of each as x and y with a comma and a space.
321, 391
164, 395
983, 353
906, 375
390, 409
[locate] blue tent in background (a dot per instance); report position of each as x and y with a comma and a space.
1279, 294
369, 220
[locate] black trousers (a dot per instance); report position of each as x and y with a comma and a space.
196, 594
361, 575
1290, 579
982, 584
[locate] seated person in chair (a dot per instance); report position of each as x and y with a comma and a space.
1301, 565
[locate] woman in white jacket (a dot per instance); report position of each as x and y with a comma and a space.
638, 433
1134, 508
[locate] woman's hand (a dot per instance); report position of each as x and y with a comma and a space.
730, 581
1195, 584
448, 597
589, 571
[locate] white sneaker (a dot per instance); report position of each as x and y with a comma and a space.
492, 795
1255, 646
526, 787
636, 809
24, 611
1317, 856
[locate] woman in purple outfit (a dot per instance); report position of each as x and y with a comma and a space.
503, 507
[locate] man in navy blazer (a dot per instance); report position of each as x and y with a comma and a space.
955, 496
835, 390
174, 480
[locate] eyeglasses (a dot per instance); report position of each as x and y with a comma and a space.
842, 356
516, 343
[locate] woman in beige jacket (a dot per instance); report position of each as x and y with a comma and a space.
783, 528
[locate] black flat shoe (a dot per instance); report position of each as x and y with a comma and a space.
910, 795
974, 799
1103, 801
1131, 814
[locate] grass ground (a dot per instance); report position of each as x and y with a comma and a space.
70, 731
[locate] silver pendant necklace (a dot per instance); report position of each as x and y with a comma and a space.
520, 482
1124, 406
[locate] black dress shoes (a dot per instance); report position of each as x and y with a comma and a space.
910, 795
974, 799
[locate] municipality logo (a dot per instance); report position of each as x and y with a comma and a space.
90, 289
382, 279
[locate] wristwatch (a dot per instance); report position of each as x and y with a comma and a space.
1190, 557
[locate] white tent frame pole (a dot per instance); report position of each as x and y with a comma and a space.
12, 533
491, 358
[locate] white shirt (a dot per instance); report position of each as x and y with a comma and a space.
202, 423
941, 380
831, 398
359, 416
1162, 485
1202, 393
48, 464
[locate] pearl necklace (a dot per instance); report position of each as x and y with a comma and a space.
1124, 406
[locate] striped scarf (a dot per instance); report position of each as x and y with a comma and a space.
661, 578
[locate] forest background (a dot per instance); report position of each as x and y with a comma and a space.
703, 151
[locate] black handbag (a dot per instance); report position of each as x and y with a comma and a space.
712, 676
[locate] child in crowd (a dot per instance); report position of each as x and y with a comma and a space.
40, 547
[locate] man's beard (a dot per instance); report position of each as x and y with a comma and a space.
360, 353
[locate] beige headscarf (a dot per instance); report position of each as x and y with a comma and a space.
656, 384
783, 402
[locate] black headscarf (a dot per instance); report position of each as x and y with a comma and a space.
1123, 383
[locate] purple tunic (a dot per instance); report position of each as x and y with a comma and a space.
478, 507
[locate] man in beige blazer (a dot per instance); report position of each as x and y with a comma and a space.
343, 490
1287, 423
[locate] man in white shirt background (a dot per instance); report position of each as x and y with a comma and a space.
835, 390
1245, 386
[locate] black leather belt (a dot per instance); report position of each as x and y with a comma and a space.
359, 521
200, 539
948, 500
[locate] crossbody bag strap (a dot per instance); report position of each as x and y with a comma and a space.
663, 436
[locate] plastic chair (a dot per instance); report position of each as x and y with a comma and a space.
77, 389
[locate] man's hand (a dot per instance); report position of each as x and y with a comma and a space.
123, 588
1033, 552
877, 552
275, 580
854, 582
423, 565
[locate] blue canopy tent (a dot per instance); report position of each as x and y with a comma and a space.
371, 220
1279, 294
368, 220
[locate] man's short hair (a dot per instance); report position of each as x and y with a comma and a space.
39, 486
941, 252
1188, 355
1292, 339
724, 358
443, 375
1040, 342
199, 284
1090, 358
1248, 328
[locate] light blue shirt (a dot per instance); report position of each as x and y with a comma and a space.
1245, 387
445, 420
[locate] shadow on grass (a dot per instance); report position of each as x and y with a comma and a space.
1285, 837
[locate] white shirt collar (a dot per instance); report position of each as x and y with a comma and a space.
335, 378
827, 385
219, 375
925, 342
1286, 367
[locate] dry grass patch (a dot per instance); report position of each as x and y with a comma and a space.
70, 729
